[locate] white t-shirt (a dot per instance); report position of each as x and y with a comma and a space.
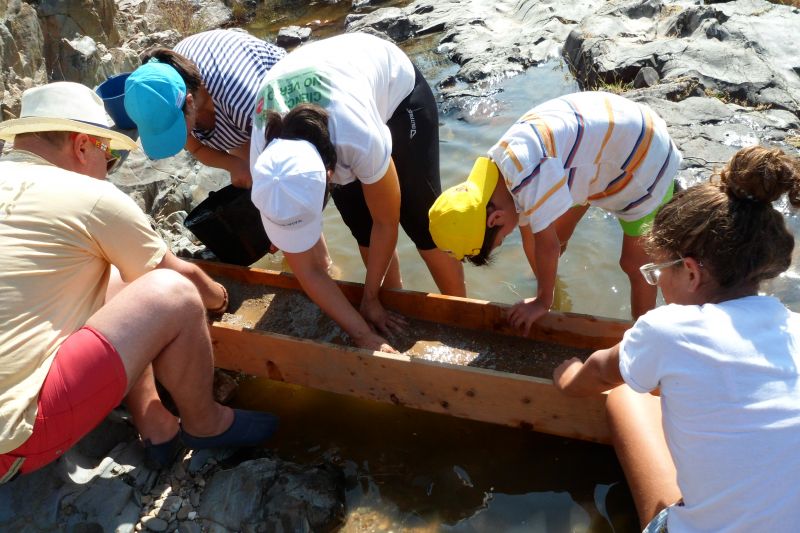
360, 79
730, 397
589, 147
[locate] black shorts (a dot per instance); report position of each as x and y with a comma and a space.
415, 150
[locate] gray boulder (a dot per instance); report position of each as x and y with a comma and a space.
272, 495
736, 49
487, 39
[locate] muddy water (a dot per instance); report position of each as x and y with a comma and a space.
408, 470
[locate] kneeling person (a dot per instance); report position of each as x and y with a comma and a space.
68, 355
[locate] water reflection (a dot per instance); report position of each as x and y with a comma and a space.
407, 470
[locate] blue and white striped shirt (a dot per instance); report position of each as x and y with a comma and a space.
232, 64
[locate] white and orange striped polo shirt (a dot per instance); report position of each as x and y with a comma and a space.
589, 147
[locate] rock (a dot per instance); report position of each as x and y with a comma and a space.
267, 491
291, 36
489, 40
646, 77
189, 527
22, 63
737, 49
154, 524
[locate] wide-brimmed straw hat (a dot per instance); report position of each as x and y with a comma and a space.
64, 106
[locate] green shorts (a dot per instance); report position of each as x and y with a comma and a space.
636, 228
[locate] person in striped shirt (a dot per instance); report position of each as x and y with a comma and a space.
220, 72
582, 149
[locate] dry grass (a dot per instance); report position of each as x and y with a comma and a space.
181, 15
794, 3
726, 98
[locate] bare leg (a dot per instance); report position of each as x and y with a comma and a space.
153, 421
447, 272
392, 280
635, 421
643, 295
160, 319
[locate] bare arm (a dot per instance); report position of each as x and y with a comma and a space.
599, 373
212, 293
383, 200
542, 250
239, 169
319, 286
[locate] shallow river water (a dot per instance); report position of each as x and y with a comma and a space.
408, 470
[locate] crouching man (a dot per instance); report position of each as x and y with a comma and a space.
68, 356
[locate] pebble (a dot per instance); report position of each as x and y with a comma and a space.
155, 524
183, 512
173, 503
192, 515
194, 499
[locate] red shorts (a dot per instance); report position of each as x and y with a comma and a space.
85, 382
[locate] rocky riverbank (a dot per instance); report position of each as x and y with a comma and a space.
722, 74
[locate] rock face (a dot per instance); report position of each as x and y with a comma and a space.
737, 49
487, 39
22, 63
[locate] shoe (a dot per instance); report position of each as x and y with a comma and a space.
158, 456
249, 428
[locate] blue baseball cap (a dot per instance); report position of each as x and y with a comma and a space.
154, 98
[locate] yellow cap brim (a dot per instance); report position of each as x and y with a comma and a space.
458, 216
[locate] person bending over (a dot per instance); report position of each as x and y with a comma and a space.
578, 150
372, 119
200, 96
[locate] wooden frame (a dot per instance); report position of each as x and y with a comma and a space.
462, 391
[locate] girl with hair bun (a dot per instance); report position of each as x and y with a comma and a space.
719, 450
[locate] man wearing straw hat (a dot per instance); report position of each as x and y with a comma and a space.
68, 353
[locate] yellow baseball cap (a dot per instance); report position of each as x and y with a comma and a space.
458, 216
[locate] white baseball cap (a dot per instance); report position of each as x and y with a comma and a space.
289, 182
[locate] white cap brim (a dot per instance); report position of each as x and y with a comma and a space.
294, 240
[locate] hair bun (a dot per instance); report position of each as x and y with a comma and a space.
760, 174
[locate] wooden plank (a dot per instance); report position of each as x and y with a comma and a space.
466, 392
569, 329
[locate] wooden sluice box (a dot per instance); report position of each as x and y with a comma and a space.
460, 357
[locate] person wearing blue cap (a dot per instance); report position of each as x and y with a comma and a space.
199, 96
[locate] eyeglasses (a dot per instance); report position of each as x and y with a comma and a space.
113, 157
652, 271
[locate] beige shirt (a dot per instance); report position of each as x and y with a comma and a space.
60, 232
